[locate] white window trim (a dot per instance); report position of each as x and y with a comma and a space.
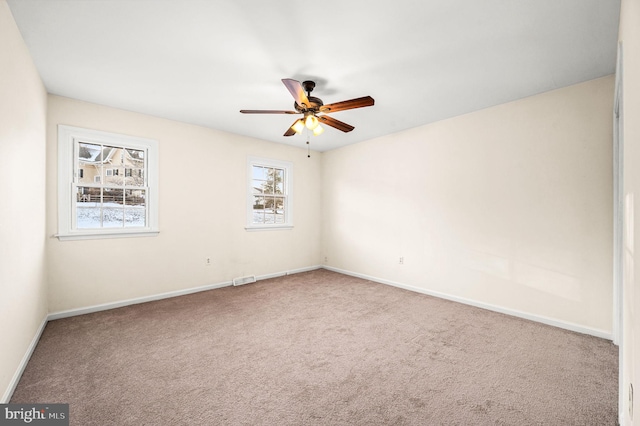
67, 135
288, 190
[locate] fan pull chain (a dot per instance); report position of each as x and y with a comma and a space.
308, 146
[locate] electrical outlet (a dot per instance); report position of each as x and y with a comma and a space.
326, 259
208, 261
401, 262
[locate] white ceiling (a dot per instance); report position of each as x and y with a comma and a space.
201, 61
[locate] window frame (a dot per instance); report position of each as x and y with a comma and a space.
287, 166
68, 138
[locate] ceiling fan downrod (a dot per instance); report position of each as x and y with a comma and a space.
308, 86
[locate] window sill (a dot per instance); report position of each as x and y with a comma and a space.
105, 235
252, 228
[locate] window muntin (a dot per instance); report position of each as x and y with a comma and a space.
269, 195
113, 191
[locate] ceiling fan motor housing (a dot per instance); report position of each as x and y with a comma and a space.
315, 104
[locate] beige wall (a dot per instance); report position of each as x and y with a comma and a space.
510, 206
630, 38
23, 305
202, 214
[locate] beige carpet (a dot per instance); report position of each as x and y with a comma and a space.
319, 348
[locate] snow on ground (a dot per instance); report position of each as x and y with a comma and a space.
267, 216
114, 215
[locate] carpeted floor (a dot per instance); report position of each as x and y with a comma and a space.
319, 348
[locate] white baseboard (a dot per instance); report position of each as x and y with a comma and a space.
135, 301
23, 364
537, 318
119, 304
291, 272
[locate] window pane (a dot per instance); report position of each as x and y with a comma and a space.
135, 207
269, 204
270, 185
112, 208
89, 153
279, 209
134, 177
279, 205
108, 154
258, 209
269, 210
89, 165
270, 176
113, 196
113, 175
277, 177
134, 155
133, 160
87, 173
259, 172
266, 188
256, 187
114, 157
88, 207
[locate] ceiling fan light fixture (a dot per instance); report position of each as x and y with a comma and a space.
311, 121
318, 130
298, 126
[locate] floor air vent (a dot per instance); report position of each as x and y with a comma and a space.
244, 280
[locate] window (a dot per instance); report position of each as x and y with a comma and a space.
96, 197
269, 195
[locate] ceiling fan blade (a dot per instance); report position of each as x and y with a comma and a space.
337, 124
350, 104
266, 111
296, 90
290, 131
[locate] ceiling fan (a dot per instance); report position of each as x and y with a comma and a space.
311, 107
